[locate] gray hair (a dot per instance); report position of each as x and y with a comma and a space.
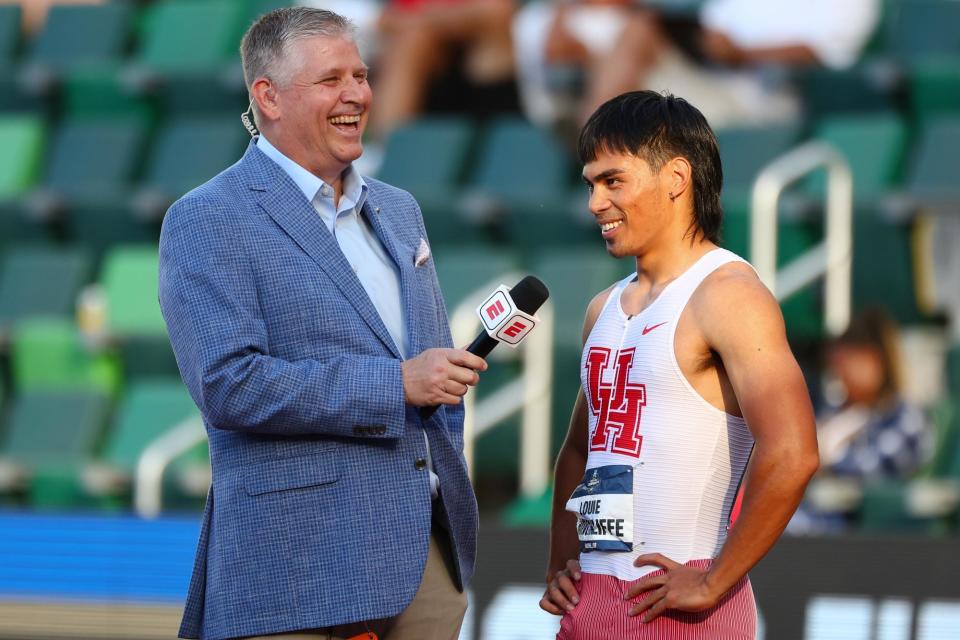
265, 47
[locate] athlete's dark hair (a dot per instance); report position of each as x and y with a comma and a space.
657, 127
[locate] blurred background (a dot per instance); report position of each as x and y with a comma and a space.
848, 110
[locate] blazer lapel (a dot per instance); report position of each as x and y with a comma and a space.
403, 258
279, 196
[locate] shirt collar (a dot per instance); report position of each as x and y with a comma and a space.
354, 188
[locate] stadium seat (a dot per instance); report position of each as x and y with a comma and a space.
129, 278
744, 151
435, 184
932, 180
214, 142
463, 270
865, 88
521, 173
48, 354
49, 434
935, 87
76, 37
190, 44
23, 137
150, 408
88, 179
916, 29
41, 281
874, 145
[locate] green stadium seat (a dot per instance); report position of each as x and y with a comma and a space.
192, 44
883, 266
49, 354
861, 89
92, 163
37, 281
23, 137
76, 36
462, 271
49, 435
932, 180
9, 34
187, 152
129, 278
149, 408
435, 184
874, 145
919, 28
935, 87
190, 36
744, 151
11, 98
522, 173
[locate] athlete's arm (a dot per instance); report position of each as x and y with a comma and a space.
563, 567
742, 323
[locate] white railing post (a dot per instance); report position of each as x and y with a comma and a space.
833, 257
148, 482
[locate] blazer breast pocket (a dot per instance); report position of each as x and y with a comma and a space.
291, 473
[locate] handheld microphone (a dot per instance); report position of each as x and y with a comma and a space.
507, 316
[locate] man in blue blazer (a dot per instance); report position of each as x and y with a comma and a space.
308, 324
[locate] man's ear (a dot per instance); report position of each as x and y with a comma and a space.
268, 101
678, 174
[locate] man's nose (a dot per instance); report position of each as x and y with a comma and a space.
598, 202
355, 91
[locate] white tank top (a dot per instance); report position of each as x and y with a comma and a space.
686, 456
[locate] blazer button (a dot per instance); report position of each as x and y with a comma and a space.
420, 464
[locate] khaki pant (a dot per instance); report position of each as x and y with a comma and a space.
435, 613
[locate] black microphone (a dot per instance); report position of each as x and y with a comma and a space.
528, 295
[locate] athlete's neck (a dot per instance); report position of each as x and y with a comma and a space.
658, 267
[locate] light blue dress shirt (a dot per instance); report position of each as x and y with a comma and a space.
362, 248
374, 267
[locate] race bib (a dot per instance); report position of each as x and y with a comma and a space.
603, 503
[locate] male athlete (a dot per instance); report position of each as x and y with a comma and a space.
685, 370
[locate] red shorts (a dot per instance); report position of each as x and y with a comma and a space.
601, 614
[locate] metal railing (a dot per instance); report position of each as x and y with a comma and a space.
832, 257
148, 480
529, 394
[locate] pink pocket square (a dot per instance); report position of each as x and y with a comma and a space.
422, 255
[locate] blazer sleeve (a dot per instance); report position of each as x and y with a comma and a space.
209, 301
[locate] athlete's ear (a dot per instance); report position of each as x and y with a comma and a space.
678, 176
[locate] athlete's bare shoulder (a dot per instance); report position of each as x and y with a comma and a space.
733, 300
594, 309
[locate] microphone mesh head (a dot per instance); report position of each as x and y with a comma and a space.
529, 294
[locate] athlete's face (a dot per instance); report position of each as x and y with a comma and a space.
630, 201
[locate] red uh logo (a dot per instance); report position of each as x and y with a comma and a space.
617, 406
514, 329
495, 309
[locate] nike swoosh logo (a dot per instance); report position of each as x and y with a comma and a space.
648, 329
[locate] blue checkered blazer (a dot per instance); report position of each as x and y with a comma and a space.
318, 514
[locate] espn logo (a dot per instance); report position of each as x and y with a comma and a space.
495, 309
502, 320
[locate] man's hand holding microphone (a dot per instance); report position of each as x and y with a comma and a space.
443, 376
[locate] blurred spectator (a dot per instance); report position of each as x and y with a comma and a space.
729, 57
871, 432
464, 45
35, 11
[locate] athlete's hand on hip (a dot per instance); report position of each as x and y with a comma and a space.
679, 587
561, 594
440, 376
